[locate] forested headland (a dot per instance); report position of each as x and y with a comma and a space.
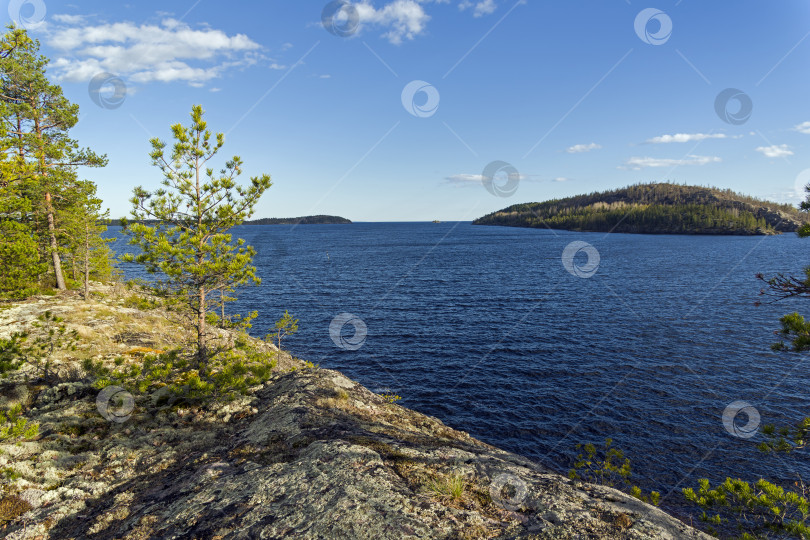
655, 208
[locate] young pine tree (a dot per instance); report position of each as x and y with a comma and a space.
190, 246
81, 227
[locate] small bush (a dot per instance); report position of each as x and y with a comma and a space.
760, 508
11, 352
225, 375
10, 474
607, 467
140, 302
14, 427
55, 336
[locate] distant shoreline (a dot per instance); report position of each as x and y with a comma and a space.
303, 220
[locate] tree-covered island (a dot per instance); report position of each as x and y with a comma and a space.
655, 208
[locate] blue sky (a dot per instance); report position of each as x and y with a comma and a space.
576, 96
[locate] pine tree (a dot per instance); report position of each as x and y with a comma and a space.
42, 159
190, 246
19, 260
19, 256
81, 227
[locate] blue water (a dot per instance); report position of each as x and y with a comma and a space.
484, 328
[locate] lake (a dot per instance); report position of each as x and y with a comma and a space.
484, 328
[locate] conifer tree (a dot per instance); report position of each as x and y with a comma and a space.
41, 157
190, 246
81, 226
19, 257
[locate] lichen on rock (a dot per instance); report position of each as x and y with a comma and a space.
308, 454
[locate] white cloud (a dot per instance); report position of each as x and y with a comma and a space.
685, 137
561, 179
580, 148
404, 18
481, 8
68, 19
804, 127
171, 51
277, 66
465, 178
477, 179
775, 151
638, 163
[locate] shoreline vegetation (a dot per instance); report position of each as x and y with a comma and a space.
655, 208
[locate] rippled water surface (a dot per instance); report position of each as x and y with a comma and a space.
484, 328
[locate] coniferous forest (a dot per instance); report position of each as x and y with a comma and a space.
50, 217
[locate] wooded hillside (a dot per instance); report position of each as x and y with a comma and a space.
656, 208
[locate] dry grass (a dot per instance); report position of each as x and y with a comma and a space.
108, 331
340, 400
448, 487
143, 351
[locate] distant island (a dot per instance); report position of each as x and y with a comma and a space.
655, 208
305, 220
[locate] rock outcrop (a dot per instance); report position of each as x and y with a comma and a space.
309, 454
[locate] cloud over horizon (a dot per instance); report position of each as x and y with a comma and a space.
581, 148
685, 137
473, 179
638, 163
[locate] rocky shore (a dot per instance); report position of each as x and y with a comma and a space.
309, 454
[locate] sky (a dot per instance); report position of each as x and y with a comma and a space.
413, 110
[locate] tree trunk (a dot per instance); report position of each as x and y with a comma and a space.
201, 328
86, 261
57, 262
41, 255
